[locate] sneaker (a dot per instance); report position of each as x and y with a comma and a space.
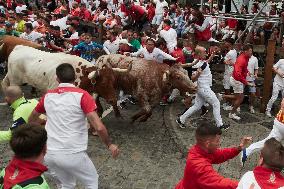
243, 157
228, 108
225, 105
268, 113
239, 109
181, 125
122, 104
251, 109
204, 111
225, 127
131, 100
234, 116
219, 96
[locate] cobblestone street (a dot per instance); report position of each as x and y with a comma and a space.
153, 153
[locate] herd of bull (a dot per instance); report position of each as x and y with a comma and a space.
148, 81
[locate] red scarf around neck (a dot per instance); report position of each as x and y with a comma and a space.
267, 178
167, 28
19, 171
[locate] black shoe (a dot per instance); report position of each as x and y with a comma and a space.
181, 125
123, 105
204, 111
225, 127
131, 100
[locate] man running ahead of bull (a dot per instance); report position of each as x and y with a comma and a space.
67, 108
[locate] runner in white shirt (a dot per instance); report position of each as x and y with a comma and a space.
150, 52
159, 11
112, 44
204, 93
67, 109
229, 62
252, 75
29, 34
169, 35
267, 175
278, 85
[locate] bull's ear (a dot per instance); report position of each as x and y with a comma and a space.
166, 76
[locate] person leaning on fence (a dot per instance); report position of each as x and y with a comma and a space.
199, 172
25, 169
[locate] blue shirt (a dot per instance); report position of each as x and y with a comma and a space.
87, 50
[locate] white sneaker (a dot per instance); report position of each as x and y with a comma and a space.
228, 108
219, 96
251, 109
234, 116
268, 113
239, 109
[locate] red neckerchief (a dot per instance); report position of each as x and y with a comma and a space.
267, 178
167, 28
19, 171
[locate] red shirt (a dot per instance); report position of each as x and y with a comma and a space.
136, 12
151, 12
232, 23
178, 53
240, 69
199, 172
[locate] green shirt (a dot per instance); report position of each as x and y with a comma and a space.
135, 44
21, 26
22, 110
43, 185
12, 33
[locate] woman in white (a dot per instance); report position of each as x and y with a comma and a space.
150, 52
278, 85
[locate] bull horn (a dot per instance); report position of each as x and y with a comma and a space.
123, 70
1, 46
165, 75
93, 74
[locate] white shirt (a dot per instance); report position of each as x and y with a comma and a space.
252, 66
205, 78
160, 6
231, 55
278, 79
33, 36
246, 180
157, 54
60, 22
74, 36
112, 46
170, 37
19, 9
66, 108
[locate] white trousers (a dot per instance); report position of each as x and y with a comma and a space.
203, 95
175, 93
275, 92
157, 19
68, 168
277, 132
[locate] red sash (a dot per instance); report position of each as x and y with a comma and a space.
267, 178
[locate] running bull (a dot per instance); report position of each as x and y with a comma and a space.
148, 81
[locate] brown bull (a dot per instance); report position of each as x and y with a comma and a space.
148, 81
8, 43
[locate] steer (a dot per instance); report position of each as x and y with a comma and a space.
148, 81
37, 68
9, 42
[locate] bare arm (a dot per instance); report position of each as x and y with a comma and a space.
96, 123
35, 118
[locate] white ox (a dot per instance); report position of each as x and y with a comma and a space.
27, 65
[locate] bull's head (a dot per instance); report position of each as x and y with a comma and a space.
178, 78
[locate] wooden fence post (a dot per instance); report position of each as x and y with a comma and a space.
271, 47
